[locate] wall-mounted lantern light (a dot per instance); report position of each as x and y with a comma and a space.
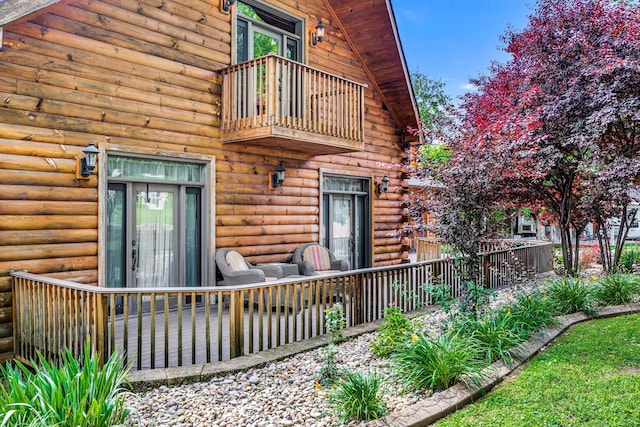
87, 163
383, 185
318, 35
226, 4
277, 178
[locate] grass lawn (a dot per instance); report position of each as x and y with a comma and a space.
589, 377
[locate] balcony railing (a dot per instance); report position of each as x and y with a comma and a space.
164, 327
272, 101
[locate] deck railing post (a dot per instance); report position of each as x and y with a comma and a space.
100, 327
236, 328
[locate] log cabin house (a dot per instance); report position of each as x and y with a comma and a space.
193, 106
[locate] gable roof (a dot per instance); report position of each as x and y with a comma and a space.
369, 25
371, 28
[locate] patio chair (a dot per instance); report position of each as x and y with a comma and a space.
313, 258
235, 270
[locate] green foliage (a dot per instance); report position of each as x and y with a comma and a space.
441, 294
435, 155
534, 311
498, 334
588, 377
629, 258
570, 295
358, 396
76, 394
393, 332
328, 369
616, 289
335, 321
476, 298
439, 363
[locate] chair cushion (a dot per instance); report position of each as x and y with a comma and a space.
235, 261
319, 256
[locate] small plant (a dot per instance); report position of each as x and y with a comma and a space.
476, 299
357, 396
441, 294
430, 364
618, 289
335, 322
394, 331
571, 295
329, 369
76, 394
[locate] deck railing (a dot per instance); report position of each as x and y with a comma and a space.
164, 327
274, 91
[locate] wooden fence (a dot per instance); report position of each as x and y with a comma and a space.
164, 327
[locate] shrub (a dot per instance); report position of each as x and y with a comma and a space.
74, 394
328, 369
589, 255
534, 311
394, 331
629, 258
335, 322
357, 396
497, 333
426, 363
617, 289
571, 295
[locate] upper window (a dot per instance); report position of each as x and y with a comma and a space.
262, 30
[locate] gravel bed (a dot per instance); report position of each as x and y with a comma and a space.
282, 393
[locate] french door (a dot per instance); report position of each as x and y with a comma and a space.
154, 229
346, 219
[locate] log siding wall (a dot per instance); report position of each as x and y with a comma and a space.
145, 74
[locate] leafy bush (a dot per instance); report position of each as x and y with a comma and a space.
426, 363
394, 331
498, 334
618, 289
571, 295
441, 294
534, 311
358, 396
74, 394
328, 368
630, 258
335, 322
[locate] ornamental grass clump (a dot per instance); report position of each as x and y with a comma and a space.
534, 311
74, 394
358, 396
394, 331
571, 295
617, 289
498, 334
436, 364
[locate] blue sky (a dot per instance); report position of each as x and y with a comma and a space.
454, 40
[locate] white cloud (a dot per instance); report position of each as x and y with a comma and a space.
469, 87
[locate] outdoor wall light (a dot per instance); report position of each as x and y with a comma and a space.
87, 163
226, 4
383, 185
277, 178
318, 35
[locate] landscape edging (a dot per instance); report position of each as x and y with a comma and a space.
440, 404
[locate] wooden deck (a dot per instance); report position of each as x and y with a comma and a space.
167, 327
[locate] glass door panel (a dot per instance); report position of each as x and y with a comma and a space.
154, 245
341, 227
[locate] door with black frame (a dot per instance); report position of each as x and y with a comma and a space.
154, 223
347, 218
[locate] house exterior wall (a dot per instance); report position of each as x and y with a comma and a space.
145, 74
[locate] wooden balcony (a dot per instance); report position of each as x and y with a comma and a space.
278, 103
